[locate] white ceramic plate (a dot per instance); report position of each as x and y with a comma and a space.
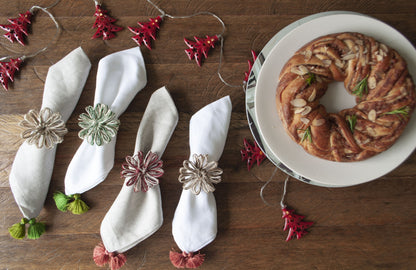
323, 172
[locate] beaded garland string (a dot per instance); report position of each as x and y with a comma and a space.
294, 223
197, 50
16, 31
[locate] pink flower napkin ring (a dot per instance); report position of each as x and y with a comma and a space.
142, 172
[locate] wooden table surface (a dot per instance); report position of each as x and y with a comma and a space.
368, 226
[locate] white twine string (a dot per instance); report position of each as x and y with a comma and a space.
220, 36
58, 31
282, 204
52, 5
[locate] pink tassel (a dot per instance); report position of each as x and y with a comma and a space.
102, 256
177, 259
117, 260
195, 261
186, 260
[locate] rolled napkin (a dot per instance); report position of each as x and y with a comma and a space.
137, 211
194, 224
33, 165
120, 76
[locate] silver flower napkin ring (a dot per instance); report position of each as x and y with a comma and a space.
142, 172
199, 174
99, 125
43, 129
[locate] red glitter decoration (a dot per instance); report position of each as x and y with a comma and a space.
17, 29
104, 23
200, 47
250, 66
252, 153
142, 171
186, 260
114, 259
294, 223
146, 32
7, 71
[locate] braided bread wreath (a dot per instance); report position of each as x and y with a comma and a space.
376, 74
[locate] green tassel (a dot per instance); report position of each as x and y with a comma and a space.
36, 229
78, 207
61, 201
18, 230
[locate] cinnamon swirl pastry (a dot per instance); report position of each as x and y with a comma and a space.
376, 74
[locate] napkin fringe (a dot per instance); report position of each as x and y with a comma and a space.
102, 257
72, 203
186, 260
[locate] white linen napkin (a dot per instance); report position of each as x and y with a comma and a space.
32, 168
120, 76
195, 221
135, 215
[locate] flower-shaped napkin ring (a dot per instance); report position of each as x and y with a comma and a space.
200, 174
43, 129
142, 171
99, 125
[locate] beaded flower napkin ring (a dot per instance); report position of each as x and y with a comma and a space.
199, 174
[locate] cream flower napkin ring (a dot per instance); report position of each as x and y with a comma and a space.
194, 224
120, 76
199, 175
137, 211
33, 165
43, 129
